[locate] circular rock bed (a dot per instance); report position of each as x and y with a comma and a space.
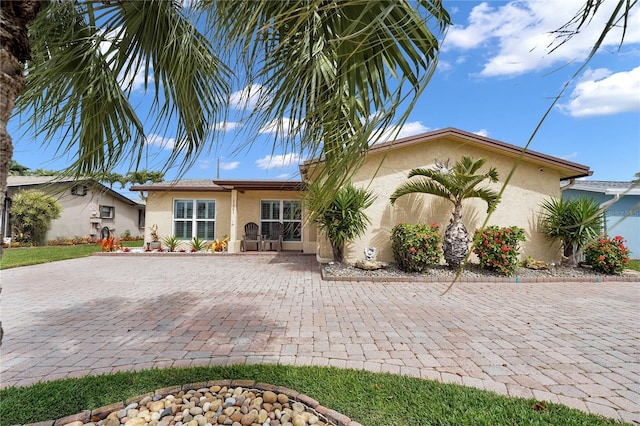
231, 403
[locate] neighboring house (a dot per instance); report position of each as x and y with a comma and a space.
87, 207
221, 207
622, 202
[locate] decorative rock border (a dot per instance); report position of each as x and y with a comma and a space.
114, 413
486, 279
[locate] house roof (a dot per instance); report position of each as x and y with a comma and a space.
187, 185
567, 169
26, 182
606, 187
200, 185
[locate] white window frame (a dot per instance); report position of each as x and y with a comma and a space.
194, 219
281, 218
111, 212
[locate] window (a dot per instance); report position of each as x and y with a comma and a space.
107, 212
289, 212
194, 218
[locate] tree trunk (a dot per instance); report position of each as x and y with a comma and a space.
15, 18
456, 239
338, 255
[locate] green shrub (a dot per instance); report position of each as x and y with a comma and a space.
607, 255
497, 248
416, 247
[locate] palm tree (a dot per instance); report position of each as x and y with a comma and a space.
345, 219
573, 222
454, 185
338, 70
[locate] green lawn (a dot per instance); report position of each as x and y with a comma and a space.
25, 256
369, 398
634, 264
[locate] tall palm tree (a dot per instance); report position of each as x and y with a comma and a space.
81, 58
454, 185
336, 69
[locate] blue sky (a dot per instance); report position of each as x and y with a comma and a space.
496, 76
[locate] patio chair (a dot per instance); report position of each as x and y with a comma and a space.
276, 236
251, 235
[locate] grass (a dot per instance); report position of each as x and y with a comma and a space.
368, 398
25, 256
634, 264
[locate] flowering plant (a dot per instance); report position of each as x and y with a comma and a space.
415, 247
607, 255
497, 248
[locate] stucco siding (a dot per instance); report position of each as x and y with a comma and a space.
160, 212
80, 215
520, 204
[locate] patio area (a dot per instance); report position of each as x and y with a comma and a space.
574, 343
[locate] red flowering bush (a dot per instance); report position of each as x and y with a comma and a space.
415, 247
497, 248
607, 255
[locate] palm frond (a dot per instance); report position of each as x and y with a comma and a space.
81, 76
339, 70
422, 187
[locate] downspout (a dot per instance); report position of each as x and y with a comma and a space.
572, 182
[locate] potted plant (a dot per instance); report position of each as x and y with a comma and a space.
155, 240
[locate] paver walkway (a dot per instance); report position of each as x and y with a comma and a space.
573, 343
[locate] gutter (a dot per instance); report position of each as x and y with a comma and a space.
572, 182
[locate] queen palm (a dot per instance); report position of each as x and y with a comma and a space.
454, 185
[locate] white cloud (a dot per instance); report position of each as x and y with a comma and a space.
249, 98
482, 132
160, 141
227, 126
232, 165
518, 35
133, 79
409, 129
281, 126
278, 161
601, 92
574, 154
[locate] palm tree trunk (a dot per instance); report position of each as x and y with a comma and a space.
338, 254
456, 239
15, 18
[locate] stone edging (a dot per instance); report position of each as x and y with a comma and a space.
101, 413
488, 279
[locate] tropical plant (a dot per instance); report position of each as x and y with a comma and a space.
573, 222
497, 248
416, 247
172, 242
344, 219
197, 244
338, 69
111, 244
220, 245
607, 255
454, 185
31, 214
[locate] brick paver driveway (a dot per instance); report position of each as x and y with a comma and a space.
573, 343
